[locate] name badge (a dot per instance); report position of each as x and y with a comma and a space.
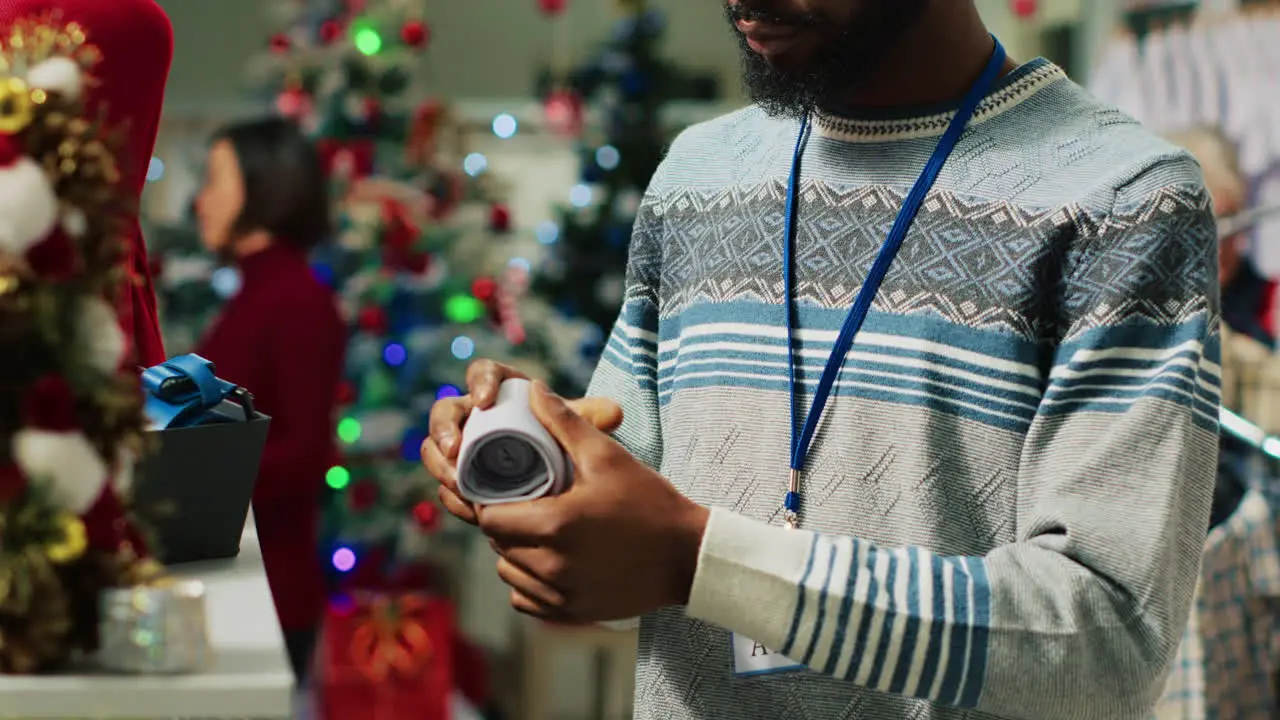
751, 658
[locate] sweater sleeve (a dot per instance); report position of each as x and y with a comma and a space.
628, 369
305, 364
1114, 489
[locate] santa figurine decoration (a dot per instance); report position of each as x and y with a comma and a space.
134, 44
70, 404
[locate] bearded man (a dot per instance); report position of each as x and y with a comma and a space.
911, 409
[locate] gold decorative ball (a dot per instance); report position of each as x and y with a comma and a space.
15, 105
73, 543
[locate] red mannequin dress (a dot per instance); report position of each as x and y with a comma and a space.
136, 43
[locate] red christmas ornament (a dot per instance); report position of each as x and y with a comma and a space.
499, 218
330, 30
362, 496
484, 288
564, 112
293, 103
415, 33
427, 516
54, 258
280, 43
346, 392
12, 483
373, 319
50, 405
552, 7
1024, 8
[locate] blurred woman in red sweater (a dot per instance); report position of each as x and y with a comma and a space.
264, 205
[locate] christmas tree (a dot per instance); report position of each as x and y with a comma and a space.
579, 286
418, 265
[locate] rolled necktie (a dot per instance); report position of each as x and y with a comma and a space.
507, 455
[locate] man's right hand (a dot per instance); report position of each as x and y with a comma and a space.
440, 449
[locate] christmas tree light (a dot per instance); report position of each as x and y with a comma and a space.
349, 430
338, 477
366, 38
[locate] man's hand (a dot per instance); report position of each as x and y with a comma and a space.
440, 449
619, 543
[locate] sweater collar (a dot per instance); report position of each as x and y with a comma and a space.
879, 125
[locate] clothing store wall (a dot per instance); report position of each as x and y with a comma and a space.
215, 40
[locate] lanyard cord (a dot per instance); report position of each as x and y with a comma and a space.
801, 441
788, 290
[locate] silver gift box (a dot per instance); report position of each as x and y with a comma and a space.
155, 630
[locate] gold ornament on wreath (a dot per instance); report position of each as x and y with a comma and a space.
70, 413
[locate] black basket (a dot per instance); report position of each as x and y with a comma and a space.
193, 491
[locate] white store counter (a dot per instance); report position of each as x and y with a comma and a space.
250, 676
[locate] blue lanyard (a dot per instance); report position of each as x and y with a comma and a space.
801, 440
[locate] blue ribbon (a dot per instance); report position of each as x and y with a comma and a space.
183, 391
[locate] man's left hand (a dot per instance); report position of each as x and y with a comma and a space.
619, 543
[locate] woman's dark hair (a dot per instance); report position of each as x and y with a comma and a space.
286, 193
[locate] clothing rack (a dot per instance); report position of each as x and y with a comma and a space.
1247, 220
1143, 20
1180, 66
1250, 434
1175, 67
1143, 16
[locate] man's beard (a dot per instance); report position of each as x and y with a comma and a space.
843, 63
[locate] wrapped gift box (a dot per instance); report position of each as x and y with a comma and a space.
386, 657
194, 488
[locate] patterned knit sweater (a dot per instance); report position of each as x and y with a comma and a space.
1007, 498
